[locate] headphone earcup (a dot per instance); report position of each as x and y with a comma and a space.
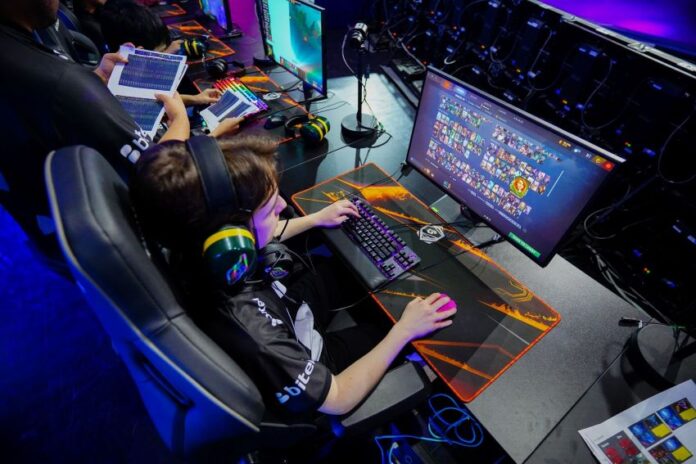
194, 48
315, 130
230, 254
217, 69
276, 261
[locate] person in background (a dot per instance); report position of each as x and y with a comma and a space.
48, 102
125, 21
87, 11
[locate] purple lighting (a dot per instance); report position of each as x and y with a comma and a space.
669, 23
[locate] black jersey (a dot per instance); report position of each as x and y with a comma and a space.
48, 102
257, 328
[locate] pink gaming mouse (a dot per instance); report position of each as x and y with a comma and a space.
451, 304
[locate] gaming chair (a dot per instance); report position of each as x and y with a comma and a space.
203, 405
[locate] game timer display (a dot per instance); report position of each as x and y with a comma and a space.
529, 180
293, 37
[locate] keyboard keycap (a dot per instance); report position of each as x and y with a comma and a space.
385, 248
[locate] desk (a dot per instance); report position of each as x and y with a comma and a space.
523, 408
573, 377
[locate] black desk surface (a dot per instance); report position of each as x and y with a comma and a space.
529, 405
574, 377
498, 319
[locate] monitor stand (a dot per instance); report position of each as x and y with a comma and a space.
234, 32
263, 61
307, 92
664, 357
464, 220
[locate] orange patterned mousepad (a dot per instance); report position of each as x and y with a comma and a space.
168, 11
216, 48
498, 319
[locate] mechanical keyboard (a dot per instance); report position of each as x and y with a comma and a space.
387, 251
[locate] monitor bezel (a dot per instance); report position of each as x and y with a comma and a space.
557, 130
228, 15
259, 11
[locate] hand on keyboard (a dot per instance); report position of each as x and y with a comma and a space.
421, 316
336, 214
385, 248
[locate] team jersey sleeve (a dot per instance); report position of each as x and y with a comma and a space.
294, 382
88, 114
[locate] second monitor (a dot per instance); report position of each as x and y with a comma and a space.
221, 12
293, 35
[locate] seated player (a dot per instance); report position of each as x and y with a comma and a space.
48, 102
87, 11
124, 21
275, 332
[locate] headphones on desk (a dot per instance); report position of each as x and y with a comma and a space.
195, 47
217, 68
312, 129
230, 252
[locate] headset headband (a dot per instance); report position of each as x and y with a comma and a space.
218, 188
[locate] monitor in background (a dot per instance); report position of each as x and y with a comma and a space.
529, 180
219, 11
293, 35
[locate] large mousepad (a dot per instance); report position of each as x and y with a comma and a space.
498, 318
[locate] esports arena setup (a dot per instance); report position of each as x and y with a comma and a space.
532, 161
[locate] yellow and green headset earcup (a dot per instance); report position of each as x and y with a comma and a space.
315, 129
194, 48
230, 254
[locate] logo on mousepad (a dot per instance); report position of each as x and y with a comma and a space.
431, 234
271, 96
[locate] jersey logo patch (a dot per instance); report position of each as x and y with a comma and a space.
261, 306
301, 384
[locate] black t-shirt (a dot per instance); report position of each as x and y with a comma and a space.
48, 102
255, 326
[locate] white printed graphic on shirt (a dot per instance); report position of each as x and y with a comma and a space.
261, 306
303, 325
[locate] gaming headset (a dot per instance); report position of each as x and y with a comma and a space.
230, 252
217, 69
312, 129
195, 47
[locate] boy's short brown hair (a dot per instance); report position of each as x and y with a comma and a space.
168, 194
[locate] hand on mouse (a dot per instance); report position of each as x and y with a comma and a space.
423, 316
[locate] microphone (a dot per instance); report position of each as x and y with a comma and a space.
357, 36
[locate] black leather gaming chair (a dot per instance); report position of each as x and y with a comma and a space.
203, 405
66, 37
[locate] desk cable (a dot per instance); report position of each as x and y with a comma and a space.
464, 430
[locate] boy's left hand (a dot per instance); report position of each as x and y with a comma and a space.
206, 97
335, 214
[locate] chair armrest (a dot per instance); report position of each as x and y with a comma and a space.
400, 390
87, 51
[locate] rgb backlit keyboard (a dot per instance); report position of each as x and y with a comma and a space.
385, 248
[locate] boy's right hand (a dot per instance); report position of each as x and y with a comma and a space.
421, 316
227, 126
173, 106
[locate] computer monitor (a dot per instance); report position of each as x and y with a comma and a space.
293, 36
527, 179
219, 10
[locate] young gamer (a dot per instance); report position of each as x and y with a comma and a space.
220, 200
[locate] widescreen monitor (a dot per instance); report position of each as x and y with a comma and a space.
529, 180
293, 34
